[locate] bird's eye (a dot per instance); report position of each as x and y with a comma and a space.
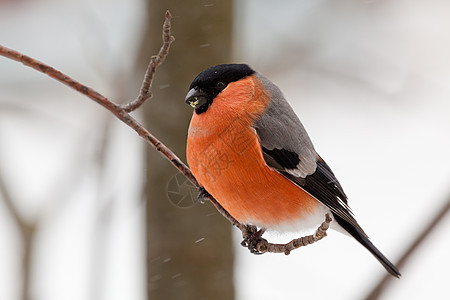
220, 85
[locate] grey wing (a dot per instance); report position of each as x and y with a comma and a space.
286, 144
287, 148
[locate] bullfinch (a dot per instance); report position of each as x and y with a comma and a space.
249, 150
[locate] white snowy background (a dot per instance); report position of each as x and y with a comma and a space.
370, 81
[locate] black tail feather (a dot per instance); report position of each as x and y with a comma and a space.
368, 245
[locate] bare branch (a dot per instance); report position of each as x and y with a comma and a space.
7, 199
255, 243
117, 110
420, 239
27, 230
155, 61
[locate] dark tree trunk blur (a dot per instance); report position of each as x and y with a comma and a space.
189, 252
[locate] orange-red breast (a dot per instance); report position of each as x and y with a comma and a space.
249, 150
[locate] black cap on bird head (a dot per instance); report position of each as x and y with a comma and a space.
209, 83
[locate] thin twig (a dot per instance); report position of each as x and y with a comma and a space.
155, 61
116, 109
27, 230
376, 292
24, 226
122, 113
7, 199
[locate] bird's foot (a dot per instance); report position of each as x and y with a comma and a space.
253, 239
202, 195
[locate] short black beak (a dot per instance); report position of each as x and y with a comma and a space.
196, 98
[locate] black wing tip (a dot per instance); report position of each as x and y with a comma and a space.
390, 267
394, 271
364, 240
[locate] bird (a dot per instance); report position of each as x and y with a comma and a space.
248, 149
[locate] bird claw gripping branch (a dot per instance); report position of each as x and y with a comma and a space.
253, 240
203, 195
257, 245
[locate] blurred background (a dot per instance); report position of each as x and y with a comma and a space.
89, 211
